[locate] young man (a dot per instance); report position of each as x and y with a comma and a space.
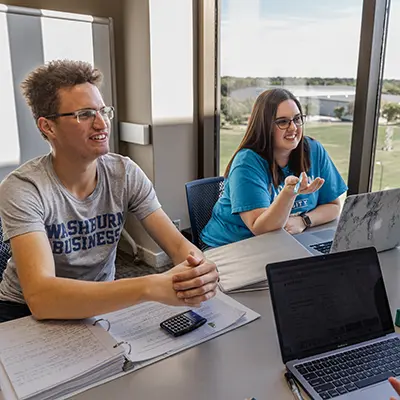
63, 212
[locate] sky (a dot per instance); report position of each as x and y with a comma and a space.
307, 38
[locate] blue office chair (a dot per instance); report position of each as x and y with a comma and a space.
201, 195
5, 253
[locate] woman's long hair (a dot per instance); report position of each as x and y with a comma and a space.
259, 135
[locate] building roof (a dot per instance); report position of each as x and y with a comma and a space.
340, 93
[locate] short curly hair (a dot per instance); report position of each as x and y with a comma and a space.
40, 87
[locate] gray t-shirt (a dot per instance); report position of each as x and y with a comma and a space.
83, 234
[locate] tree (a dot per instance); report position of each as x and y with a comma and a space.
391, 88
390, 111
339, 112
309, 106
224, 87
235, 111
350, 108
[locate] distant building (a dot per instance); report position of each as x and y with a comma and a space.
318, 100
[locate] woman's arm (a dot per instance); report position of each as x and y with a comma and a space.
262, 220
276, 216
320, 215
324, 213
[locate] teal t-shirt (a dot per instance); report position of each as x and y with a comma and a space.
249, 186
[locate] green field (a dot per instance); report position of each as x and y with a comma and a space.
336, 139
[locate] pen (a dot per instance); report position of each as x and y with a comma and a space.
297, 187
293, 386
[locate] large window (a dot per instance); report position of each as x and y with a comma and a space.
387, 156
308, 47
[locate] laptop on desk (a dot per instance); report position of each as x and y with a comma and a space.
334, 325
368, 219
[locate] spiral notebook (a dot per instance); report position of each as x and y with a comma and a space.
58, 359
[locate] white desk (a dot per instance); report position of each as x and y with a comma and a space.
240, 364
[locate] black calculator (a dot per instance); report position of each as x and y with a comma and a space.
183, 323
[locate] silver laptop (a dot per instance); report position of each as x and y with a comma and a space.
334, 325
368, 219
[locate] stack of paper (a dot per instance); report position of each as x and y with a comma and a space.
48, 360
241, 265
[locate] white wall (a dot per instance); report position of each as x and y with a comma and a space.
9, 149
172, 91
160, 91
137, 96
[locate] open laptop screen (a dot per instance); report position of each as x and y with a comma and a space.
322, 303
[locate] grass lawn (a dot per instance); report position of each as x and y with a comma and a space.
335, 137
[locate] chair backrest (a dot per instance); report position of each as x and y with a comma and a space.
5, 253
201, 195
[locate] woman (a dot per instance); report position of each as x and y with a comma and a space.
260, 192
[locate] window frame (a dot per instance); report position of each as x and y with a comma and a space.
371, 59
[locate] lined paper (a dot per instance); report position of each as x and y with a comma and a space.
140, 326
38, 356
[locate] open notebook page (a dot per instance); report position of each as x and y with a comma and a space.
140, 326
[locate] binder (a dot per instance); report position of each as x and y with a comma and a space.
49, 360
128, 365
100, 349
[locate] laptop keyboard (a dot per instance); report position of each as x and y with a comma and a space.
352, 370
323, 248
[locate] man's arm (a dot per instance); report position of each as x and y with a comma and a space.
51, 297
194, 284
165, 234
